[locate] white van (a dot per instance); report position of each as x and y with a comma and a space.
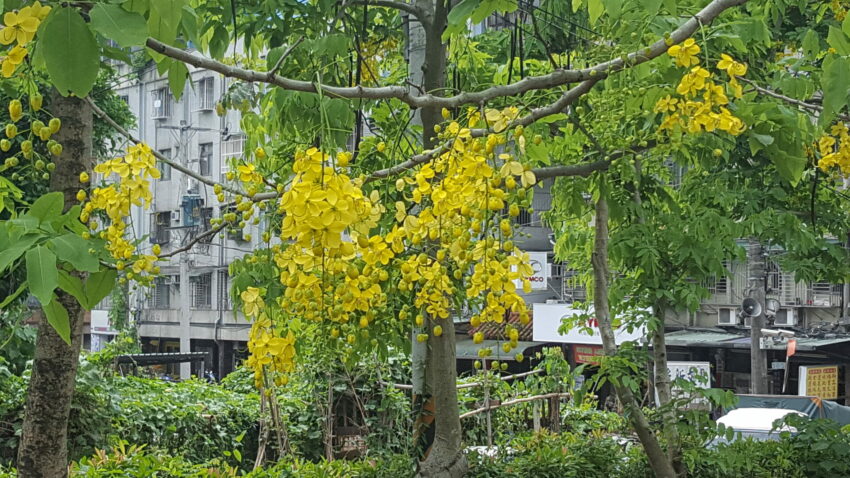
757, 423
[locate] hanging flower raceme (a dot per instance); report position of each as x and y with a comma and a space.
112, 202
834, 150
702, 103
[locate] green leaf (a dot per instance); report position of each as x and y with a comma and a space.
125, 28
811, 43
74, 286
70, 51
75, 250
457, 17
41, 272
218, 42
835, 82
14, 295
671, 6
177, 74
57, 316
595, 9
189, 22
164, 19
838, 40
48, 206
13, 252
100, 284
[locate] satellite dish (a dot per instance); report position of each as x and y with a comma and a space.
751, 307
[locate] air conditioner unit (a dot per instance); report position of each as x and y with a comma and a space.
727, 316
175, 216
785, 318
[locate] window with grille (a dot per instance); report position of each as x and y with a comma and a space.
224, 290
205, 93
201, 291
205, 222
160, 293
161, 103
165, 169
205, 158
160, 222
232, 151
719, 285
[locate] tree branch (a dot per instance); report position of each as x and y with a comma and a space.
417, 12
403, 93
270, 75
206, 234
788, 99
123, 132
515, 402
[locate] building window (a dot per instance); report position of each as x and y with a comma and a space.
205, 159
719, 285
201, 291
160, 222
164, 168
205, 221
161, 103
232, 151
160, 294
205, 95
125, 99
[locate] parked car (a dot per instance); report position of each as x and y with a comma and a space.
756, 423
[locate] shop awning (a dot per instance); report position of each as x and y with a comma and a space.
468, 350
711, 338
164, 358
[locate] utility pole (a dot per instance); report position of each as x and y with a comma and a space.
758, 357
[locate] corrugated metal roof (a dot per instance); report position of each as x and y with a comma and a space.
710, 338
496, 331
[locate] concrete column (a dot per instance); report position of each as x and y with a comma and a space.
185, 316
758, 356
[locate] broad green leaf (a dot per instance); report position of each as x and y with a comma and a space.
177, 75
164, 19
74, 249
125, 28
74, 286
838, 40
16, 249
48, 206
671, 6
458, 16
835, 82
613, 8
41, 272
218, 42
99, 285
811, 43
57, 316
652, 7
595, 9
189, 22
70, 51
13, 295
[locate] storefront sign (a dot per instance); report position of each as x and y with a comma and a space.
540, 277
549, 317
819, 381
587, 353
697, 373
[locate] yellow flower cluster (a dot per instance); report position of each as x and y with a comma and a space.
272, 357
114, 201
701, 103
834, 149
20, 26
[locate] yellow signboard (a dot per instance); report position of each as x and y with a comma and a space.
819, 381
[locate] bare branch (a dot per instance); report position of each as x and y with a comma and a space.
581, 169
403, 93
789, 100
207, 234
409, 8
514, 402
123, 132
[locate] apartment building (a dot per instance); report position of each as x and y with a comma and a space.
188, 307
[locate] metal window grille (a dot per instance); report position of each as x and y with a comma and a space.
232, 151
205, 93
205, 159
160, 294
161, 103
160, 222
224, 302
165, 169
201, 291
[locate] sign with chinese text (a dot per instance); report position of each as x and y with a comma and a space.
819, 381
697, 373
587, 353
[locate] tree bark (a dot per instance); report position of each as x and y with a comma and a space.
43, 451
664, 389
658, 460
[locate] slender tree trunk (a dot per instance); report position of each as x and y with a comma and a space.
663, 388
657, 458
43, 452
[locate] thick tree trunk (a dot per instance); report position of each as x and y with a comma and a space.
663, 388
658, 460
43, 452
